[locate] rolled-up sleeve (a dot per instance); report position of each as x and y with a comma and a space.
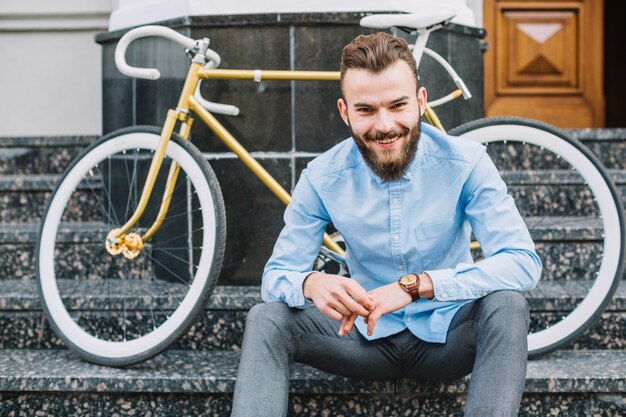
296, 248
511, 262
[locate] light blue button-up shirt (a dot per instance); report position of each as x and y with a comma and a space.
419, 223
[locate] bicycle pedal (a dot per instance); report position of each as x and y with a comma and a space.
114, 246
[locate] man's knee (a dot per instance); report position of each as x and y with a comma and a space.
511, 301
507, 308
268, 316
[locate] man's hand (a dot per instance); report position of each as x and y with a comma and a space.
388, 298
338, 297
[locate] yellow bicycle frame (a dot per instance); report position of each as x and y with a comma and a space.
187, 104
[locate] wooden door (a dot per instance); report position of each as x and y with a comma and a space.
545, 61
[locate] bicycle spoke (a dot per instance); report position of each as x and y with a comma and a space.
108, 197
175, 256
97, 199
179, 236
170, 271
178, 247
132, 197
174, 216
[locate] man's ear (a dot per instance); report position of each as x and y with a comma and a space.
422, 99
343, 110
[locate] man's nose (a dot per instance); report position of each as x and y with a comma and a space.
384, 121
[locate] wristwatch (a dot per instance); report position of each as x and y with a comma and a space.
411, 284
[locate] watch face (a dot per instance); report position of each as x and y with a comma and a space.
408, 279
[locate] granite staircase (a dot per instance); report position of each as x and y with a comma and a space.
39, 376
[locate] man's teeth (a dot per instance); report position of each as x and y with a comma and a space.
390, 140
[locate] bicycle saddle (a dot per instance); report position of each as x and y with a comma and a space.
416, 21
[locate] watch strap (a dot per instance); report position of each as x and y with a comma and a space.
413, 290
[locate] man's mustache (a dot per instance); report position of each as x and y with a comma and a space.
378, 136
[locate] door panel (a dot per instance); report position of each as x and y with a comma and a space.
545, 61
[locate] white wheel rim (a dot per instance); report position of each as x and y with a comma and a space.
53, 301
610, 220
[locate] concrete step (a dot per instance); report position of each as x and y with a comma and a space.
40, 155
568, 246
222, 323
51, 155
556, 192
56, 382
80, 241
23, 198
609, 144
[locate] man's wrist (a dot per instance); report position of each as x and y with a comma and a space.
426, 289
304, 282
410, 283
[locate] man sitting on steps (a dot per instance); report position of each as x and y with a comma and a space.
405, 197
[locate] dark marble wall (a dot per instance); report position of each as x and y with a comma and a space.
283, 123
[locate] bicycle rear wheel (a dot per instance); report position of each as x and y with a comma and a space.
574, 215
108, 308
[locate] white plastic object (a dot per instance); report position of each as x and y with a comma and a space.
219, 108
152, 30
417, 21
442, 100
455, 77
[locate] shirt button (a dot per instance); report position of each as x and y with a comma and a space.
396, 201
396, 237
444, 295
401, 267
408, 319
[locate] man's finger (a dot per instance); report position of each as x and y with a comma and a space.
342, 328
340, 307
349, 325
354, 306
332, 313
371, 322
361, 296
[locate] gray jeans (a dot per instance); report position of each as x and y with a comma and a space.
487, 338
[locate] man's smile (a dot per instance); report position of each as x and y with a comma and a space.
388, 143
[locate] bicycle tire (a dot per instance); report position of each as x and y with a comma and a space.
112, 310
586, 187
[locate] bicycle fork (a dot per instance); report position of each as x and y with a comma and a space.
130, 244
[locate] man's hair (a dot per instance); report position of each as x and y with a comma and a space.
375, 53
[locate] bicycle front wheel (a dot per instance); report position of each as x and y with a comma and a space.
114, 309
574, 215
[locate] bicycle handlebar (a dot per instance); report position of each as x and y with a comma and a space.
153, 30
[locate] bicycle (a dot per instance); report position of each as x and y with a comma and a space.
147, 281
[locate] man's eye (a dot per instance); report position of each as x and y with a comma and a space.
399, 105
364, 109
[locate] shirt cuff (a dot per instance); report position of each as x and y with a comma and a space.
300, 301
443, 284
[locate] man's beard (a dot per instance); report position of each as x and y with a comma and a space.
387, 167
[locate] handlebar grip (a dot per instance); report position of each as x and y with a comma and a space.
152, 30
142, 32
